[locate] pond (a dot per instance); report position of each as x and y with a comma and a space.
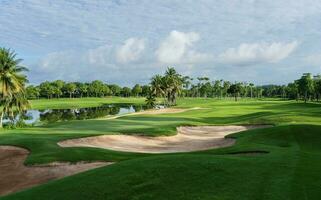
55, 115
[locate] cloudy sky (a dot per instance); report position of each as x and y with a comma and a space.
127, 41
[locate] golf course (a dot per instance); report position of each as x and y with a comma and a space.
279, 161
160, 100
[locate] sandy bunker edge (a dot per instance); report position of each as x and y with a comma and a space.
187, 139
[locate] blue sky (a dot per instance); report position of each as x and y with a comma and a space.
127, 41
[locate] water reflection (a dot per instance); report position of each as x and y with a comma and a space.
54, 115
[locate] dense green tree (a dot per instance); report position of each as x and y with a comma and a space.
46, 89
32, 92
97, 88
57, 87
115, 89
137, 90
70, 88
235, 90
82, 89
317, 86
126, 91
305, 85
145, 90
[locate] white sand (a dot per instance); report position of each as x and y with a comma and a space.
188, 138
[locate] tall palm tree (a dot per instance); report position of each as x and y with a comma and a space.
173, 85
12, 83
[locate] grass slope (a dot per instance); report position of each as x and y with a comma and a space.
289, 171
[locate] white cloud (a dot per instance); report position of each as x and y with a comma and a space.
131, 50
258, 53
178, 48
314, 59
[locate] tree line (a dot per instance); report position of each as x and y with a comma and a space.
172, 85
97, 88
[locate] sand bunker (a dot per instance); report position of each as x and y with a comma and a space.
188, 138
15, 176
166, 110
157, 111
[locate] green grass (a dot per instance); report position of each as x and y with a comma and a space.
290, 169
80, 102
69, 103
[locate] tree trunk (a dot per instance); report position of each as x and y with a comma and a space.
235, 96
1, 119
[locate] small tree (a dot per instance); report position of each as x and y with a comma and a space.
150, 100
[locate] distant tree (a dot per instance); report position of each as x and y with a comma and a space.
305, 85
126, 91
97, 88
317, 86
251, 85
226, 86
293, 91
205, 89
57, 87
83, 89
106, 90
137, 90
70, 88
187, 81
217, 88
32, 92
145, 90
46, 89
158, 86
173, 85
115, 89
235, 90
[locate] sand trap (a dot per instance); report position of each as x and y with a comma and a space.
188, 138
15, 176
166, 110
157, 111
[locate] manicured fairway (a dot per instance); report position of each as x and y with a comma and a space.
80, 102
285, 164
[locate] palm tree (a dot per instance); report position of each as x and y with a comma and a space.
12, 83
173, 85
157, 84
150, 100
